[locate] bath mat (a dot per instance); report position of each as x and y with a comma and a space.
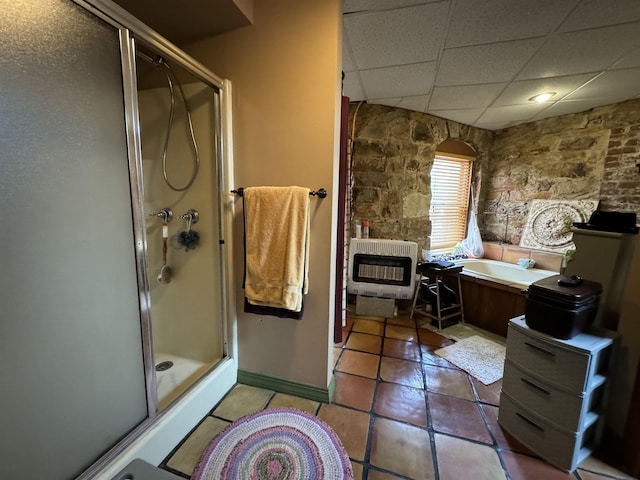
282, 444
460, 331
479, 357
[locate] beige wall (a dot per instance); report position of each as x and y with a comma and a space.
285, 71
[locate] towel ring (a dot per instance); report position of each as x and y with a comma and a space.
321, 193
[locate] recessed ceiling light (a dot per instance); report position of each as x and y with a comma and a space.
542, 97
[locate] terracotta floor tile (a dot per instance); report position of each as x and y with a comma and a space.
401, 403
353, 391
345, 334
448, 382
501, 436
430, 358
364, 342
404, 372
349, 321
399, 332
242, 400
382, 395
422, 321
378, 475
358, 470
524, 467
401, 349
374, 318
281, 400
351, 426
487, 393
458, 417
403, 320
368, 326
584, 475
336, 354
358, 363
460, 459
401, 448
186, 457
427, 337
594, 465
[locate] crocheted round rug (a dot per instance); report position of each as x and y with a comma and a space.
278, 444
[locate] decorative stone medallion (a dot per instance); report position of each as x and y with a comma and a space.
550, 222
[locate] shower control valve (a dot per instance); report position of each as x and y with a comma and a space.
191, 217
166, 214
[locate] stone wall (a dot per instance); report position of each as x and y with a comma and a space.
589, 155
393, 151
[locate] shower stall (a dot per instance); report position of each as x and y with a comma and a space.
180, 131
117, 331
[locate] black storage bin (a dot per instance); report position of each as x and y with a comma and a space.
562, 306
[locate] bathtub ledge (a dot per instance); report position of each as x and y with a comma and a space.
493, 282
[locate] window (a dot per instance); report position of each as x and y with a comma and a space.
450, 185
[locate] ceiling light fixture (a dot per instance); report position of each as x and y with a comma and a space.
542, 97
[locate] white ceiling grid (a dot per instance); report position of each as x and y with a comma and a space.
479, 61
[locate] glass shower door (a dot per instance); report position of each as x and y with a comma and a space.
179, 131
71, 351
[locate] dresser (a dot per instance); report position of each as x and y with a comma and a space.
554, 391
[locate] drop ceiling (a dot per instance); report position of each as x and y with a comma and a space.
479, 61
473, 61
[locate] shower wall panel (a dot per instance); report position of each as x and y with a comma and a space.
186, 313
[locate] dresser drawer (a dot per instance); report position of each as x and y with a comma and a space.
571, 411
548, 359
557, 446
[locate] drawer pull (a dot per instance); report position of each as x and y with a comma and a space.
540, 349
537, 387
530, 422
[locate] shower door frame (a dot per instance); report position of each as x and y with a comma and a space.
130, 30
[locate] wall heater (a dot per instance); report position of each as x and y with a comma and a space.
382, 268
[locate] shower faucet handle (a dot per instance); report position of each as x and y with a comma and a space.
191, 216
166, 214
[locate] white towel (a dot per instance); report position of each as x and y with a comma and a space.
276, 246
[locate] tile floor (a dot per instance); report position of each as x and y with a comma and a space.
401, 412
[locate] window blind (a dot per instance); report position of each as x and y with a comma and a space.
450, 185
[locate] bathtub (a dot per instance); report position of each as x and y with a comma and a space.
502, 272
493, 292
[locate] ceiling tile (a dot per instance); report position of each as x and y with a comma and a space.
493, 63
566, 107
416, 103
347, 60
397, 37
581, 52
468, 96
620, 84
402, 81
349, 6
494, 125
514, 113
467, 116
490, 21
351, 86
629, 61
599, 13
518, 93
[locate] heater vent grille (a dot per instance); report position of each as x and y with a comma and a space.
382, 268
395, 248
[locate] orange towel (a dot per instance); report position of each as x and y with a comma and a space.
276, 246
